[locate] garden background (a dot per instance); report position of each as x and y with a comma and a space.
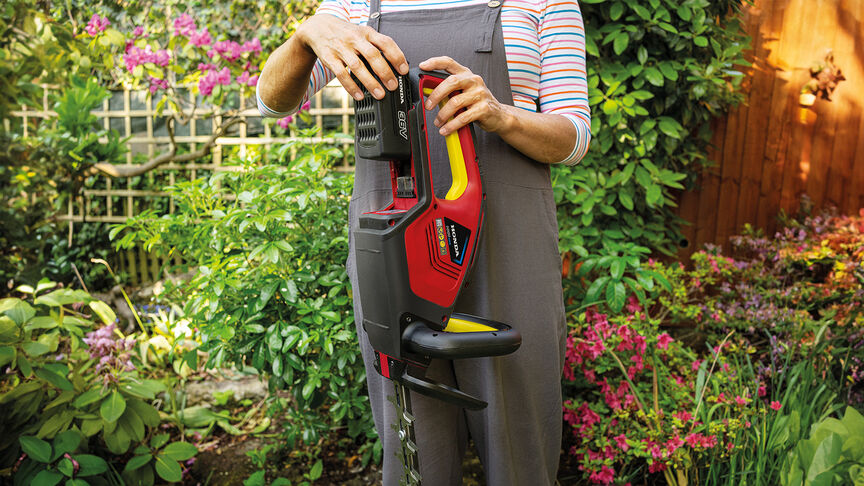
161, 241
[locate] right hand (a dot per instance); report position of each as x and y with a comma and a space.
339, 45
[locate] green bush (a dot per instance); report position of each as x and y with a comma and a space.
68, 380
658, 71
269, 243
38, 177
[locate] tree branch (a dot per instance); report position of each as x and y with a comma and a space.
171, 156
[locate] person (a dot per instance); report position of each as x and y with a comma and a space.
520, 67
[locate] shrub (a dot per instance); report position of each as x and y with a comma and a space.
270, 290
657, 73
67, 380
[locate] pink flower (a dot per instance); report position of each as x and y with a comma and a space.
253, 46
656, 467
283, 122
229, 50
761, 391
633, 304
138, 32
184, 25
96, 25
156, 84
663, 341
253, 80
621, 442
211, 79
775, 405
305, 106
605, 476
683, 416
740, 401
206, 67
200, 38
696, 364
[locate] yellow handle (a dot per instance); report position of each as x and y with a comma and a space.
462, 325
457, 164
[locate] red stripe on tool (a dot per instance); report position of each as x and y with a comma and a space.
385, 364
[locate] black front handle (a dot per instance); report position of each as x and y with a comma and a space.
440, 391
420, 339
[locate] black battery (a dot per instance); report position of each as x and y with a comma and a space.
381, 126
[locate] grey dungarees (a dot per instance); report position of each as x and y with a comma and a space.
516, 279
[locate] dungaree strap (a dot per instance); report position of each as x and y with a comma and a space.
487, 26
484, 33
374, 14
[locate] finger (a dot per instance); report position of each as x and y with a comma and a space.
473, 113
456, 103
379, 65
358, 69
337, 67
391, 51
443, 63
453, 83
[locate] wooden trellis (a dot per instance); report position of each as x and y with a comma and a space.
132, 114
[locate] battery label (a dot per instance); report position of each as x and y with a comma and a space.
442, 237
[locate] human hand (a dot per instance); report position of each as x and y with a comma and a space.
341, 46
477, 103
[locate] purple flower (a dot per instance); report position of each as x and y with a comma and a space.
138, 32
96, 25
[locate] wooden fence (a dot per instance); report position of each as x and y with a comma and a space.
772, 151
132, 114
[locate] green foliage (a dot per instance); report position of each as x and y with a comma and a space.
34, 48
40, 174
59, 460
67, 375
832, 454
271, 291
658, 71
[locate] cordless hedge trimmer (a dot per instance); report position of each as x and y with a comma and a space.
414, 255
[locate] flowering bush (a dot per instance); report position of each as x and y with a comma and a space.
640, 409
66, 378
722, 360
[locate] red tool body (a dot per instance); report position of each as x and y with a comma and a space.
414, 255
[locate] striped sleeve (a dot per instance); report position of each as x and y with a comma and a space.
563, 80
320, 74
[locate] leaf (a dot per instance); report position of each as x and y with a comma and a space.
159, 440
47, 477
617, 268
137, 461
103, 311
112, 407
41, 322
620, 43
593, 293
17, 310
316, 470
90, 396
55, 379
180, 451
66, 442
7, 355
90, 465
37, 449
654, 76
616, 295
168, 470
653, 194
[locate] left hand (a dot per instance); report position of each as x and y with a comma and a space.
480, 106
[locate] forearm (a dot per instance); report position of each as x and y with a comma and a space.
544, 137
285, 76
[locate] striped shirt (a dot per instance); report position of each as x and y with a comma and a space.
544, 42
